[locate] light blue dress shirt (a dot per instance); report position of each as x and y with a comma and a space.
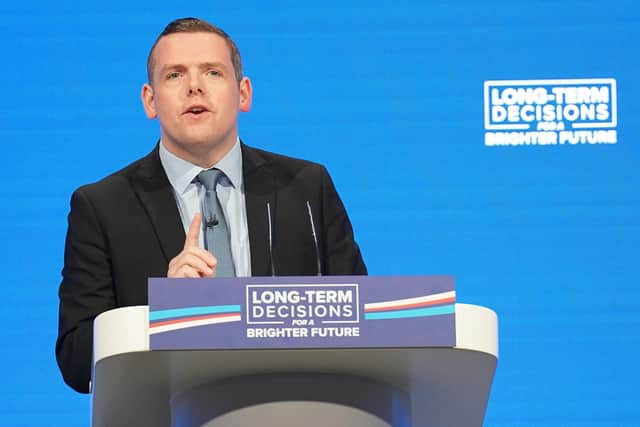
189, 198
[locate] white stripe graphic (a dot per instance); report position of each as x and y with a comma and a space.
192, 323
416, 300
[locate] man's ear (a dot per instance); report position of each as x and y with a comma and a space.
148, 103
246, 92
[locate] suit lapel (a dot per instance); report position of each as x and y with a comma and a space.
152, 186
259, 189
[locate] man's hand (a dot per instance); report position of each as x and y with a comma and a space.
193, 261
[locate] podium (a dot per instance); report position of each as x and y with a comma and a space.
426, 386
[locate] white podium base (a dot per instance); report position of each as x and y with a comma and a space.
446, 387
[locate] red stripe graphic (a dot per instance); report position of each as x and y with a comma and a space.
188, 319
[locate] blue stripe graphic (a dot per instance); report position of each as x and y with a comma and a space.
192, 311
414, 312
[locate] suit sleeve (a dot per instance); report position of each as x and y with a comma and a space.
342, 254
86, 290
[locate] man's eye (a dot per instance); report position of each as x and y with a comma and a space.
213, 73
173, 75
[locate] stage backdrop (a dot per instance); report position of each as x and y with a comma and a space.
497, 141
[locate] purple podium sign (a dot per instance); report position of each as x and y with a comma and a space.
302, 312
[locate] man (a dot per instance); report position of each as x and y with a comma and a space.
281, 216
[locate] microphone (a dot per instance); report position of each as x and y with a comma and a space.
315, 240
273, 268
211, 222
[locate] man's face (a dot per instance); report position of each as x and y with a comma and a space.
195, 96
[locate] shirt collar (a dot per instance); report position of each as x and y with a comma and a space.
181, 172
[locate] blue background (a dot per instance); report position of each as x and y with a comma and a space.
389, 96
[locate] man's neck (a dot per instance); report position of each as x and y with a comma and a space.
204, 157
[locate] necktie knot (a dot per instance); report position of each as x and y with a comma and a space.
209, 178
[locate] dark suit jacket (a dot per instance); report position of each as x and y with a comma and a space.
126, 228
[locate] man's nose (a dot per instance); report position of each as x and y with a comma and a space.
196, 86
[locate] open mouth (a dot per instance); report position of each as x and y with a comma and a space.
196, 110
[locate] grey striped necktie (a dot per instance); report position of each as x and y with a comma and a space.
216, 232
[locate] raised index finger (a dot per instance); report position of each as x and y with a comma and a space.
193, 235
